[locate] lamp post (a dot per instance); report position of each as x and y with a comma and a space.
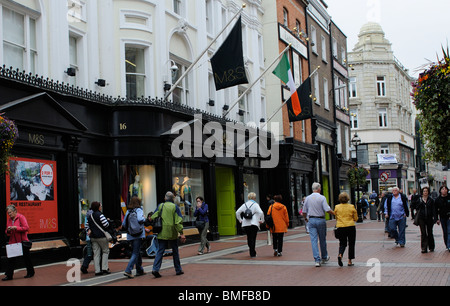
356, 141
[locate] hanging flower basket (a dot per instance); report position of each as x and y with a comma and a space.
8, 136
357, 176
431, 96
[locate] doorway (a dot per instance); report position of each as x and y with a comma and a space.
226, 201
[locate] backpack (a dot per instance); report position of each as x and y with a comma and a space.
248, 212
134, 228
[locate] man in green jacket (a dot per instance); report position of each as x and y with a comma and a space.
168, 237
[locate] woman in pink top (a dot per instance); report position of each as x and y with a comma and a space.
16, 230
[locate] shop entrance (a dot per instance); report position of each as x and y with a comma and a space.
226, 201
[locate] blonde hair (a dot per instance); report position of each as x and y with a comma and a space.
251, 196
343, 197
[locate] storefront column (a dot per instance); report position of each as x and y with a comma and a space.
68, 192
209, 172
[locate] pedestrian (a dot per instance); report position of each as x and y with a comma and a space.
442, 205
281, 222
134, 207
314, 212
427, 218
97, 225
17, 231
201, 212
380, 207
89, 255
250, 221
168, 237
397, 212
346, 216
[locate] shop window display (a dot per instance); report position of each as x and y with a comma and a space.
187, 185
251, 184
140, 181
89, 188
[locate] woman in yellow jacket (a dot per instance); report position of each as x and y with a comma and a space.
281, 222
346, 216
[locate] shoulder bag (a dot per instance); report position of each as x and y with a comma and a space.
107, 235
157, 222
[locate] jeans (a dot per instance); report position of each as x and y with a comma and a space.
398, 235
318, 231
162, 246
136, 257
89, 254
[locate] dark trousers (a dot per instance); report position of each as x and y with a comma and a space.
426, 234
278, 242
251, 232
11, 263
347, 235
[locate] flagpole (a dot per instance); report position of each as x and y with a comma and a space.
253, 84
201, 55
284, 103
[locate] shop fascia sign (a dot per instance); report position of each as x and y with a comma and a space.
198, 140
288, 38
387, 159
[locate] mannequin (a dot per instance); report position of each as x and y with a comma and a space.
136, 188
187, 196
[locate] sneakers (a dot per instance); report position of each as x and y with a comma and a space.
318, 264
128, 274
323, 261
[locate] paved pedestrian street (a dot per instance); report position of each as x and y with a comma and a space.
378, 263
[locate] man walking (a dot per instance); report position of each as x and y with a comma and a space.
397, 211
314, 213
172, 226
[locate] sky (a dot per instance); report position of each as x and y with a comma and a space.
416, 29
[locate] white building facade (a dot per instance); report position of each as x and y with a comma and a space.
381, 110
129, 48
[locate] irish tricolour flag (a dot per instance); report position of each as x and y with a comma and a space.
284, 72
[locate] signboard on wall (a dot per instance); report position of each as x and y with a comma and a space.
31, 187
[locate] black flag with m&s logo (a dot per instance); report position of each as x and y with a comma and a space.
228, 62
304, 96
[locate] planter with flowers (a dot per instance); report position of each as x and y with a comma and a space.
8, 136
431, 96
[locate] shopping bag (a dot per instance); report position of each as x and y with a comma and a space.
14, 250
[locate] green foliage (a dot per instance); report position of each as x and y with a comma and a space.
431, 94
357, 176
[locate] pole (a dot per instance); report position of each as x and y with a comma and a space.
253, 84
201, 55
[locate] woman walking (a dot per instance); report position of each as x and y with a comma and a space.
250, 216
16, 230
134, 207
97, 225
281, 222
427, 218
346, 216
201, 212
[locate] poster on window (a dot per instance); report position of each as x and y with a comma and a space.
32, 189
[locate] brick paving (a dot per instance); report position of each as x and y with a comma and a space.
229, 264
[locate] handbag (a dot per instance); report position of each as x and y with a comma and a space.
107, 235
157, 222
268, 219
416, 218
200, 225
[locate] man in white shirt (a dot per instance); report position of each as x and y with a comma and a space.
314, 213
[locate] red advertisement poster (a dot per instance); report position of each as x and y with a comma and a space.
32, 189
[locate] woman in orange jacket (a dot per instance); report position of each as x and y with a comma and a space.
281, 222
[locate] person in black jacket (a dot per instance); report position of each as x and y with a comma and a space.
427, 219
442, 205
415, 197
100, 244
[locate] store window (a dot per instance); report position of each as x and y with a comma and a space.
89, 188
140, 181
251, 184
187, 185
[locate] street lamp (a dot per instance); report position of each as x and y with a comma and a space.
356, 141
